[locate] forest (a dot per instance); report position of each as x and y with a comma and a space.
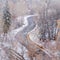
29, 30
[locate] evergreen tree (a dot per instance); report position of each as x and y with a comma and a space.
7, 19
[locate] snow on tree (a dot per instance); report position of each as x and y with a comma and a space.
7, 18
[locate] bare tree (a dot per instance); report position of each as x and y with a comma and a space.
48, 22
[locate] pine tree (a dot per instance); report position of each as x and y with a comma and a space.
7, 19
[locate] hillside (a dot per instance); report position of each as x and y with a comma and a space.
29, 30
